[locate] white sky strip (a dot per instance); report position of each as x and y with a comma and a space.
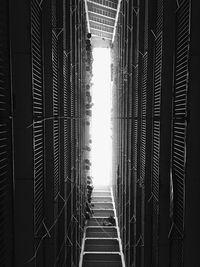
101, 117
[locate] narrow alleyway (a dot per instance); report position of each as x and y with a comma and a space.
99, 92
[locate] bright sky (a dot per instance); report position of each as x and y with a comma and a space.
100, 130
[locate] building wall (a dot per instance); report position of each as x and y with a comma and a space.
155, 138
42, 132
153, 114
6, 142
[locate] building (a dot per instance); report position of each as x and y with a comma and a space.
45, 61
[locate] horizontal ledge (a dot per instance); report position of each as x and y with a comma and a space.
101, 191
101, 252
96, 28
100, 202
103, 209
102, 24
103, 196
99, 217
101, 15
100, 5
102, 238
115, 227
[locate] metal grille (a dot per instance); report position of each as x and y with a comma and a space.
66, 76
156, 112
101, 11
135, 109
156, 128
55, 99
180, 107
101, 20
55, 73
157, 75
38, 127
36, 59
144, 85
182, 56
156, 155
143, 121
155, 189
179, 127
178, 165
101, 28
56, 157
135, 141
38, 173
106, 3
67, 147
